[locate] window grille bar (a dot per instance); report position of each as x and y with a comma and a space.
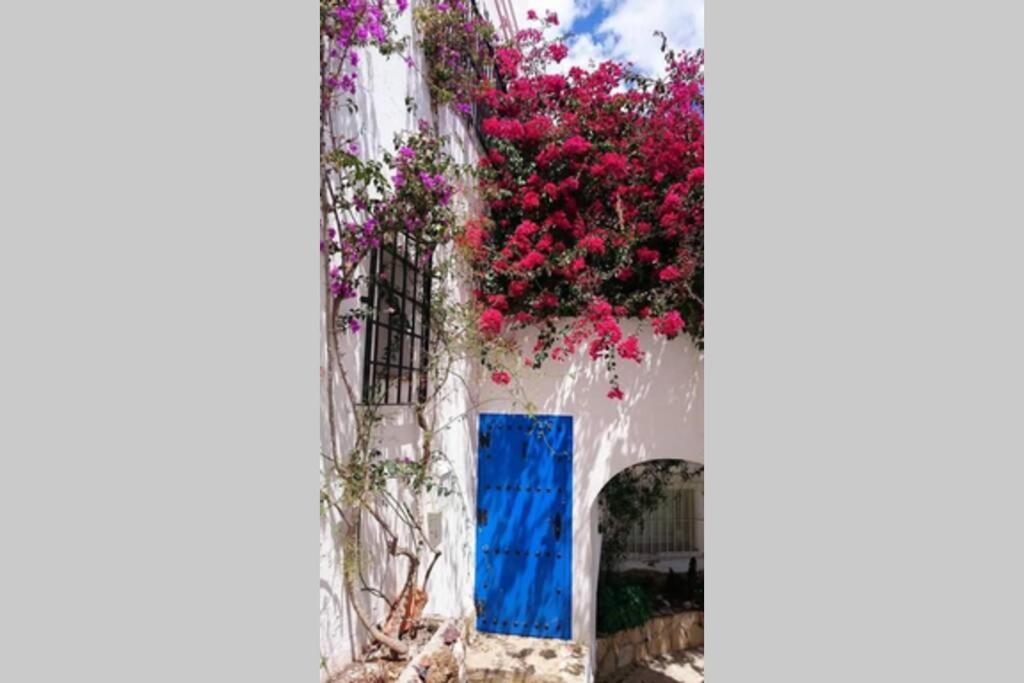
369, 337
412, 322
398, 322
402, 321
424, 361
670, 528
388, 348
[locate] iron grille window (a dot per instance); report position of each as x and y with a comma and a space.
670, 528
398, 328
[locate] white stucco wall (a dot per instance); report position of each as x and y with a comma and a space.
661, 417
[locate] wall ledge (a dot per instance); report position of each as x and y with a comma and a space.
660, 635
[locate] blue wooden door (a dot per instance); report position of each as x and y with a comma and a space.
524, 525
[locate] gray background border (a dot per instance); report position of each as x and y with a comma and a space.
159, 387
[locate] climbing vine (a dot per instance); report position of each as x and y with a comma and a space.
366, 205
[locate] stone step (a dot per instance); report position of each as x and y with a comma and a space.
493, 658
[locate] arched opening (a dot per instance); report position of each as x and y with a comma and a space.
651, 530
649, 542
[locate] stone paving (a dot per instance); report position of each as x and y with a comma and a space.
679, 667
512, 659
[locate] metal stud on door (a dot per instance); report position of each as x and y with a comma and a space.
524, 522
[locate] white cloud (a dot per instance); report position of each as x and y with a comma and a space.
626, 33
583, 51
631, 24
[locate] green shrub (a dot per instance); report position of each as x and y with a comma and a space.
621, 606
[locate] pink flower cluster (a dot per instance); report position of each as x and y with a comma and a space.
348, 26
595, 200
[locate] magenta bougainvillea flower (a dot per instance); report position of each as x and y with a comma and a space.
491, 321
594, 181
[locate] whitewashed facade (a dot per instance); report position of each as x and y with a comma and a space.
660, 418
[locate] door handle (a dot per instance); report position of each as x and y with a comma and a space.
558, 526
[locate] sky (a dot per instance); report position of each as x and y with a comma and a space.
623, 29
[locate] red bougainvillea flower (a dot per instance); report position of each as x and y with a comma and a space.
669, 274
506, 129
526, 229
495, 157
558, 52
630, 349
647, 256
533, 260
593, 244
548, 300
669, 324
599, 308
596, 348
491, 321
537, 127
575, 146
611, 164
508, 61
608, 328
500, 377
616, 393
594, 193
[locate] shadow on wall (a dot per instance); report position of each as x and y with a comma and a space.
660, 418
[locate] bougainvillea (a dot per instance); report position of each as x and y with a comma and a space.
369, 208
456, 44
595, 188
345, 27
366, 203
354, 193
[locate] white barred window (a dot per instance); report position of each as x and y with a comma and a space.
671, 528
